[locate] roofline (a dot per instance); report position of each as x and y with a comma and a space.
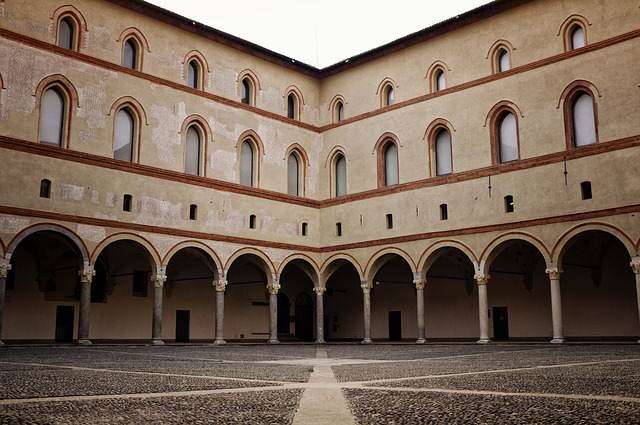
189, 25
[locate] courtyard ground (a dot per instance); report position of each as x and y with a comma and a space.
336, 384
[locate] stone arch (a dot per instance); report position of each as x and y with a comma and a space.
326, 267
62, 81
313, 271
497, 245
564, 241
132, 103
433, 252
194, 244
49, 227
155, 262
270, 269
377, 260
139, 36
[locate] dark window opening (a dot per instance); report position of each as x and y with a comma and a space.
338, 229
45, 188
126, 203
252, 221
585, 188
291, 106
304, 229
444, 213
246, 91
140, 283
509, 207
193, 212
389, 221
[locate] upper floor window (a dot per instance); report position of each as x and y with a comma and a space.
293, 106
339, 111
578, 37
247, 91
340, 174
583, 119
293, 175
444, 163
390, 164
388, 95
67, 33
53, 117
193, 74
247, 162
131, 53
192, 151
508, 137
124, 135
503, 60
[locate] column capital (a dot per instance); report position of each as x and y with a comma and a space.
635, 264
365, 286
319, 290
419, 283
86, 273
274, 287
5, 266
553, 272
482, 279
159, 278
220, 285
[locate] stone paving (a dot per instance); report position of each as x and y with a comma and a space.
332, 384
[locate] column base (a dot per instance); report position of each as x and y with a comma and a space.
557, 341
320, 341
274, 341
84, 341
2, 343
483, 341
157, 342
366, 341
421, 341
219, 342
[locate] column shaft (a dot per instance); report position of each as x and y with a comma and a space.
366, 309
158, 299
220, 287
3, 291
635, 265
556, 305
86, 277
273, 312
483, 308
420, 312
319, 314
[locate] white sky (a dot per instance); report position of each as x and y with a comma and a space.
319, 32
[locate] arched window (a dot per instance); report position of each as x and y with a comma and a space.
192, 151
578, 37
503, 60
293, 175
247, 91
390, 164
130, 54
193, 74
338, 113
583, 119
444, 163
124, 134
247, 161
292, 106
340, 173
507, 132
439, 80
53, 116
388, 95
67, 33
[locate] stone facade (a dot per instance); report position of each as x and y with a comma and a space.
258, 263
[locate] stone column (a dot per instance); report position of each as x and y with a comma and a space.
5, 266
556, 305
366, 308
86, 277
419, 283
220, 287
319, 290
483, 307
635, 265
158, 285
273, 288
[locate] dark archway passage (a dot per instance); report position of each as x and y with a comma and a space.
343, 302
297, 283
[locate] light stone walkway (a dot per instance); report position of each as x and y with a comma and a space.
323, 406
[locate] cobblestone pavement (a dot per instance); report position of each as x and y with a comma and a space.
332, 384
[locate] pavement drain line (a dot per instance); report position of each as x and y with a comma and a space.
138, 372
320, 406
486, 372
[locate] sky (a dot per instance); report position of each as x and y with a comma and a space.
319, 32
